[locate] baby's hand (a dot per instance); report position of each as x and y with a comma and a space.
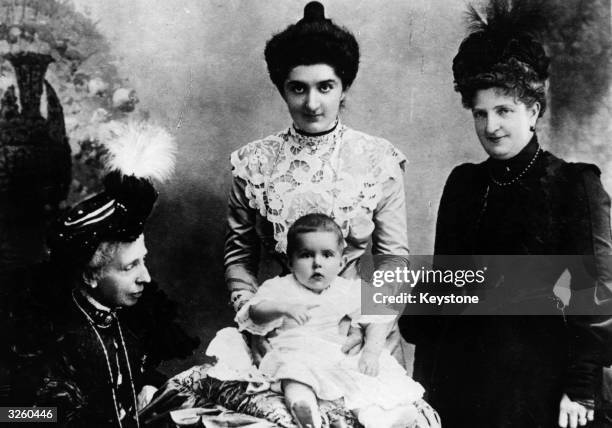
300, 313
368, 363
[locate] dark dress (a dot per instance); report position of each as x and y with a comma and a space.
67, 348
511, 371
77, 375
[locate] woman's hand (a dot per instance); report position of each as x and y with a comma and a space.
239, 297
573, 414
368, 363
145, 396
300, 313
354, 340
259, 346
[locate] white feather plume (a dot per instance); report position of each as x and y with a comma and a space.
139, 148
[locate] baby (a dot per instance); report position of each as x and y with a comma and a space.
301, 313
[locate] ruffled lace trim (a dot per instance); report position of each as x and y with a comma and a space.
245, 323
341, 174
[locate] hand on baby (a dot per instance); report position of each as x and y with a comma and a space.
145, 396
368, 363
300, 313
573, 414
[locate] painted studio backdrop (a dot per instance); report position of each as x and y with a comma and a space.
197, 68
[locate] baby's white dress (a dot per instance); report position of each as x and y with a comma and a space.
311, 353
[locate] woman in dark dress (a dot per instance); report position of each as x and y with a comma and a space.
90, 327
521, 368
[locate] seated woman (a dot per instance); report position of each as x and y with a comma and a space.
316, 165
320, 383
96, 328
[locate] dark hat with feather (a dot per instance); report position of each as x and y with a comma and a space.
138, 153
503, 50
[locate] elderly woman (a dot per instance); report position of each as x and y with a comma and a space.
92, 326
316, 165
525, 370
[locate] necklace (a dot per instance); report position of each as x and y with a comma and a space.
518, 177
108, 364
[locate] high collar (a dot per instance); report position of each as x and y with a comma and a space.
507, 169
316, 134
314, 141
101, 315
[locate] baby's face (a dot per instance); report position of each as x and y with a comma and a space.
317, 260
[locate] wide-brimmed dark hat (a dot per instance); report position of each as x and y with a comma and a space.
138, 153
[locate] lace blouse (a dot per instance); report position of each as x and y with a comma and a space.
353, 177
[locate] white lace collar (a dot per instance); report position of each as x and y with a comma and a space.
313, 143
340, 174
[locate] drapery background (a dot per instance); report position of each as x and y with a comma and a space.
198, 69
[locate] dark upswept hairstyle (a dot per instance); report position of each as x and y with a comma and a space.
314, 222
314, 39
503, 51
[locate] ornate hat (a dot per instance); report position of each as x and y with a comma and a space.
503, 44
138, 153
314, 39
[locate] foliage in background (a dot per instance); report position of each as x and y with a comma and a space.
83, 73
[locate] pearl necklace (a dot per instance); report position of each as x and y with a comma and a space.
518, 177
108, 364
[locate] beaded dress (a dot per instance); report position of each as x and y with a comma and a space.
94, 364
87, 360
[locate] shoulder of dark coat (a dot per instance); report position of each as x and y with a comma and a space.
467, 169
571, 172
465, 174
580, 170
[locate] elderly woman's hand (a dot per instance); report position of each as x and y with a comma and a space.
573, 414
145, 396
